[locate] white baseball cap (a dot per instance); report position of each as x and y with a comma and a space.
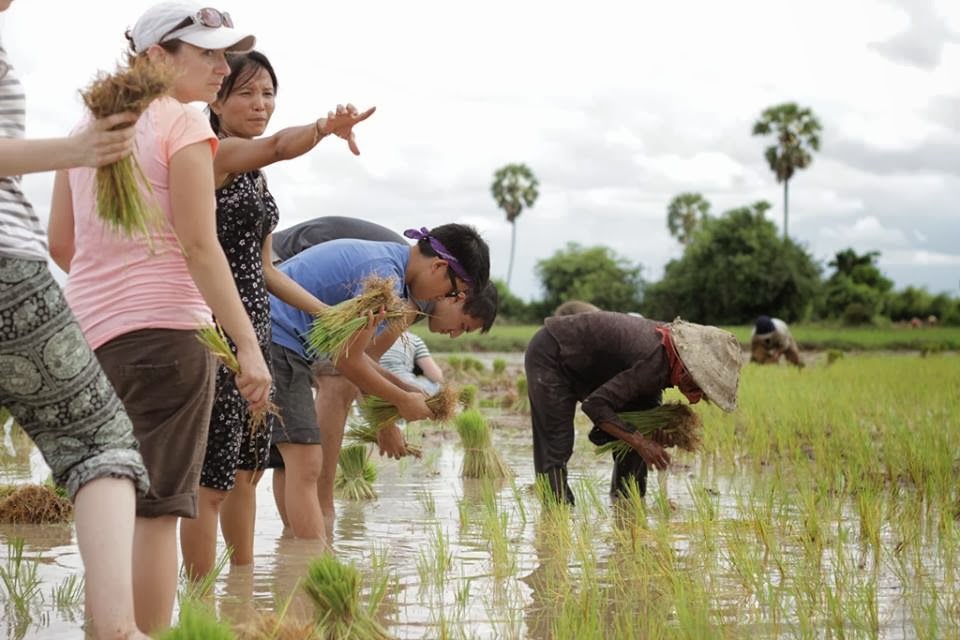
203, 27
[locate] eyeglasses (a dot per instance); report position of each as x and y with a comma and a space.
207, 17
455, 290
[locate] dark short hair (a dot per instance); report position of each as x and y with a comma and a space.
243, 66
465, 244
765, 325
483, 305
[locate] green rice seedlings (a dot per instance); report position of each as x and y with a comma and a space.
334, 588
124, 197
672, 424
199, 587
197, 622
378, 413
456, 363
356, 473
522, 403
212, 337
427, 501
468, 396
69, 593
499, 366
333, 330
363, 432
480, 458
20, 579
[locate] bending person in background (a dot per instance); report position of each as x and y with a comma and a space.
50, 381
615, 362
246, 216
140, 304
771, 339
409, 359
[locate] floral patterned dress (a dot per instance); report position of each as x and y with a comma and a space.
246, 214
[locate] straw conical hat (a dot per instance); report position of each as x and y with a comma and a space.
713, 358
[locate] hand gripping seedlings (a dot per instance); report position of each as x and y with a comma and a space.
124, 197
212, 337
334, 328
673, 424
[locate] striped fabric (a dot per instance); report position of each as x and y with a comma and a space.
21, 235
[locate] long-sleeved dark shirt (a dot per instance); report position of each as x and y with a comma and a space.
615, 362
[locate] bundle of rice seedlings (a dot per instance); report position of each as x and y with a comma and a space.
197, 621
522, 403
124, 199
212, 337
366, 433
269, 626
480, 458
673, 424
468, 396
334, 328
35, 504
377, 412
334, 588
499, 366
355, 473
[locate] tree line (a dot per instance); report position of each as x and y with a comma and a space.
734, 266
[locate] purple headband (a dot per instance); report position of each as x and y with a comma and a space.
453, 263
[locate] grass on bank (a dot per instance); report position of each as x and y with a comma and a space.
505, 337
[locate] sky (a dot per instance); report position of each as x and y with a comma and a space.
616, 106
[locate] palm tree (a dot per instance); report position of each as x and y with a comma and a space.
797, 132
514, 187
685, 213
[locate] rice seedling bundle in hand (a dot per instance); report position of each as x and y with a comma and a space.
124, 196
212, 337
355, 473
334, 328
334, 588
362, 432
480, 458
673, 424
378, 413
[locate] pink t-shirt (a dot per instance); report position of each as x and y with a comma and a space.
116, 284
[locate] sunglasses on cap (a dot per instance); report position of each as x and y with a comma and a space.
207, 17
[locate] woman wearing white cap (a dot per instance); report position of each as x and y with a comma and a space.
614, 362
139, 306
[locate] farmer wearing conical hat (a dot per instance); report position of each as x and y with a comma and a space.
611, 363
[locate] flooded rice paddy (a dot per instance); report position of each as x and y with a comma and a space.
824, 508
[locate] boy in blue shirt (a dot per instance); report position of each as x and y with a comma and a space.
445, 261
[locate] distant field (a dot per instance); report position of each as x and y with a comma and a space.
515, 338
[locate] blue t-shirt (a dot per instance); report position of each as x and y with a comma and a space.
333, 272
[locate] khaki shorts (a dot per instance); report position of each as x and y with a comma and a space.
165, 379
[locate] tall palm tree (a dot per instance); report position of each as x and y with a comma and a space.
685, 213
514, 188
797, 133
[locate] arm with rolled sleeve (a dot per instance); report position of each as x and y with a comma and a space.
645, 379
